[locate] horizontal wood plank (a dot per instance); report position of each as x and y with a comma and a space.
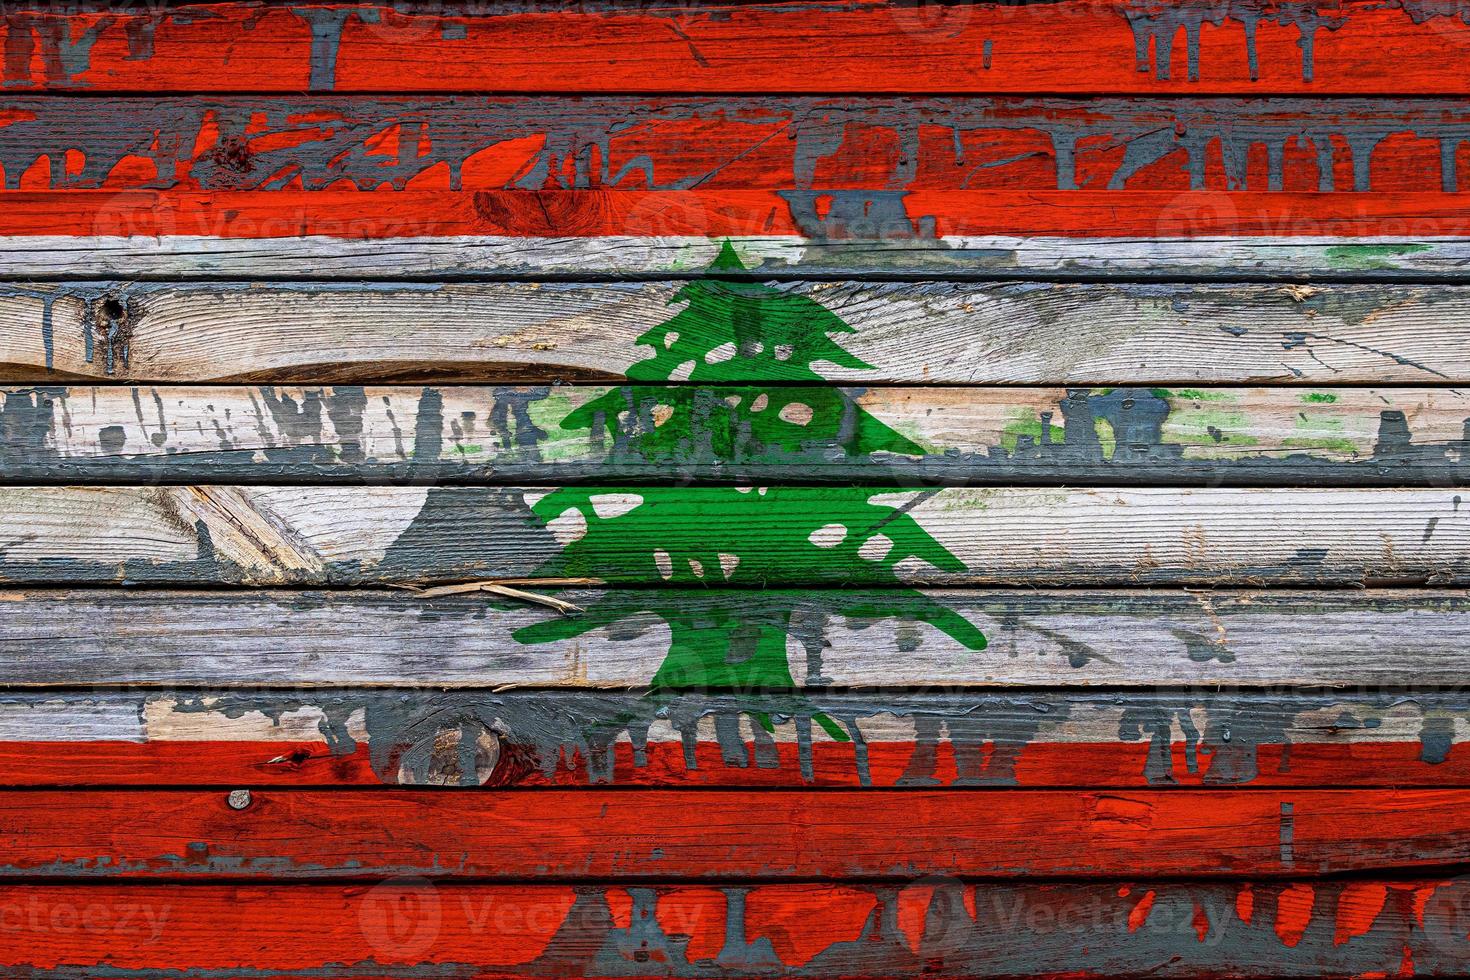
857, 639
732, 536
1073, 46
372, 737
924, 220
917, 333
765, 835
114, 251
806, 147
549, 434
1167, 928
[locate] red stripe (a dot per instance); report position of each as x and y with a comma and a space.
390, 214
757, 834
192, 763
1072, 46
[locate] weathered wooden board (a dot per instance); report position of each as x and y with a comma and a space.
1409, 46
112, 252
927, 219
886, 638
412, 929
359, 736
732, 536
771, 834
804, 147
573, 434
922, 333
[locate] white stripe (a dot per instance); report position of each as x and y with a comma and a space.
323, 257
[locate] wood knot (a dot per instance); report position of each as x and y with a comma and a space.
455, 755
111, 319
233, 155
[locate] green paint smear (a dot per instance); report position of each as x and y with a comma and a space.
1106, 437
1024, 424
725, 536
1195, 395
563, 442
1330, 423
468, 448
1319, 398
1370, 256
1192, 427
1330, 444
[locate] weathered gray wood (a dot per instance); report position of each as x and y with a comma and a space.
222, 737
1213, 436
935, 332
732, 536
863, 639
488, 257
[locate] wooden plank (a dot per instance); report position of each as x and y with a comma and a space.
810, 145
732, 536
114, 252
549, 434
917, 333
767, 834
370, 737
926, 218
865, 639
1073, 46
412, 929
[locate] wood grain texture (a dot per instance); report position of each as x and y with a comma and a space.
866, 639
503, 434
922, 333
111, 250
1055, 738
1073, 46
732, 536
761, 835
1164, 928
